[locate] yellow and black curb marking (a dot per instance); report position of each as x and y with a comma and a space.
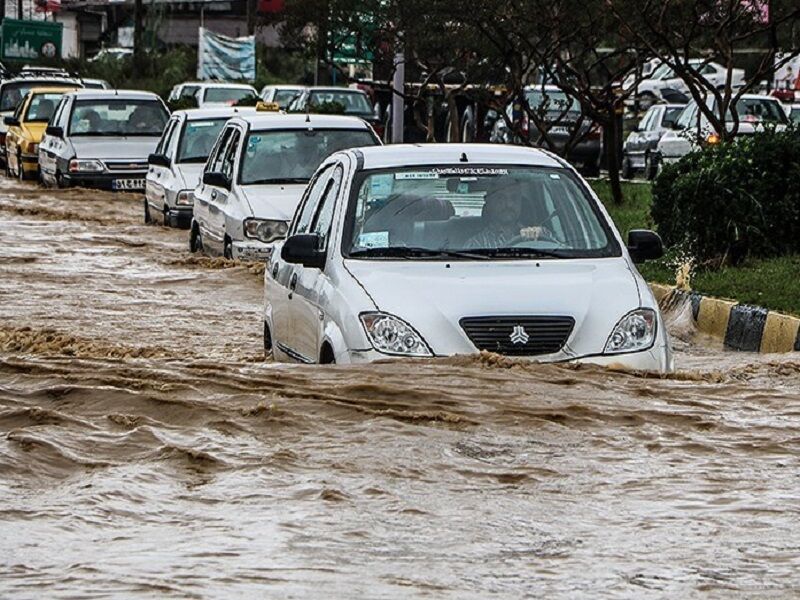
739, 326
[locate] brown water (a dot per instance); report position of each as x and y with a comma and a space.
147, 450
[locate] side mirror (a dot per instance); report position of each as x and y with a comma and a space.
644, 245
161, 160
11, 121
54, 131
216, 179
303, 249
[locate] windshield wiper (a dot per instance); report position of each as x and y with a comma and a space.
411, 252
278, 180
520, 253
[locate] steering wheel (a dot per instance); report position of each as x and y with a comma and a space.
544, 236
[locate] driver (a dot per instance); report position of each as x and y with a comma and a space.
501, 218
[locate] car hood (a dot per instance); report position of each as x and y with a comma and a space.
434, 296
114, 148
274, 201
190, 174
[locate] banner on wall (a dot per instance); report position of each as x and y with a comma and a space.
30, 40
225, 58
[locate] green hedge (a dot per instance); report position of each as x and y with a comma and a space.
737, 199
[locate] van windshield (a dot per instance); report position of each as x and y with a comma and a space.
476, 212
117, 117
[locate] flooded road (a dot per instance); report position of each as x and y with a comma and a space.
146, 450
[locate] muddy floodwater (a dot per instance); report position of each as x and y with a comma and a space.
147, 450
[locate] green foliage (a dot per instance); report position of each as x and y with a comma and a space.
733, 200
327, 108
182, 104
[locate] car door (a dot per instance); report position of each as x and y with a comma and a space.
158, 175
283, 276
222, 200
13, 134
205, 194
307, 313
50, 145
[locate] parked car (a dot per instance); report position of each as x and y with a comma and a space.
177, 163
664, 81
256, 174
96, 84
354, 102
26, 128
793, 112
102, 138
692, 129
282, 95
12, 91
113, 53
184, 91
561, 116
437, 250
636, 153
224, 94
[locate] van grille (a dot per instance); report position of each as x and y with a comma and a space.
518, 336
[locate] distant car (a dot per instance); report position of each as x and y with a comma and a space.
663, 81
184, 91
26, 128
224, 94
636, 153
692, 129
102, 139
96, 84
177, 163
113, 53
560, 114
282, 95
256, 175
353, 102
430, 250
793, 112
12, 91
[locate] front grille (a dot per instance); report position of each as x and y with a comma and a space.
518, 336
130, 165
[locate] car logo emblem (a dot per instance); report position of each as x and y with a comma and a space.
519, 335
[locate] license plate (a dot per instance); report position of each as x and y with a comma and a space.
127, 184
559, 129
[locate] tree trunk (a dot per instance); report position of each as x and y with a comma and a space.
138, 34
613, 134
251, 17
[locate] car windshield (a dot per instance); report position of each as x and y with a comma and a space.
758, 110
198, 138
293, 156
661, 71
354, 103
42, 107
188, 91
117, 117
285, 97
552, 101
795, 115
226, 95
671, 114
13, 92
484, 211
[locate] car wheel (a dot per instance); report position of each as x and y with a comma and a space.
227, 250
195, 241
267, 342
20, 170
649, 167
147, 218
626, 170
166, 216
59, 180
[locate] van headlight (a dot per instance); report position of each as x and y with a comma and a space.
391, 335
635, 332
184, 198
76, 165
265, 230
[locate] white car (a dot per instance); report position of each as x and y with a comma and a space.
664, 78
177, 163
256, 174
793, 112
183, 90
223, 94
693, 130
282, 95
445, 249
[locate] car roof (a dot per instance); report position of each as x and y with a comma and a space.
224, 84
195, 114
53, 90
400, 155
335, 89
284, 86
548, 87
277, 120
42, 79
95, 94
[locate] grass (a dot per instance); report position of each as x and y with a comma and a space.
773, 283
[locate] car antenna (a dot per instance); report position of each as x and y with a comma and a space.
464, 157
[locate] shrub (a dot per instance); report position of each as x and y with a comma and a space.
733, 200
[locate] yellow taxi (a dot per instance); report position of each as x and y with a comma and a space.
26, 128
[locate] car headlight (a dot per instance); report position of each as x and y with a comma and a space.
265, 230
185, 198
77, 165
636, 331
392, 335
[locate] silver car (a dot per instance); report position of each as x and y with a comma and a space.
102, 139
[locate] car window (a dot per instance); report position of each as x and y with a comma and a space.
12, 92
284, 97
353, 102
308, 207
223, 95
324, 217
214, 164
118, 117
757, 110
42, 107
197, 139
647, 121
708, 70
163, 143
685, 120
54, 120
188, 91
229, 159
670, 115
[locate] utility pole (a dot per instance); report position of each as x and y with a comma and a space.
138, 37
398, 97
251, 17
19, 9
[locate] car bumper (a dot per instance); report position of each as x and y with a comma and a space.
104, 181
251, 250
180, 217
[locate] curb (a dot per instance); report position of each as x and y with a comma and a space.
739, 326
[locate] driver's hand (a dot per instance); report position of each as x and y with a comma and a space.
533, 233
